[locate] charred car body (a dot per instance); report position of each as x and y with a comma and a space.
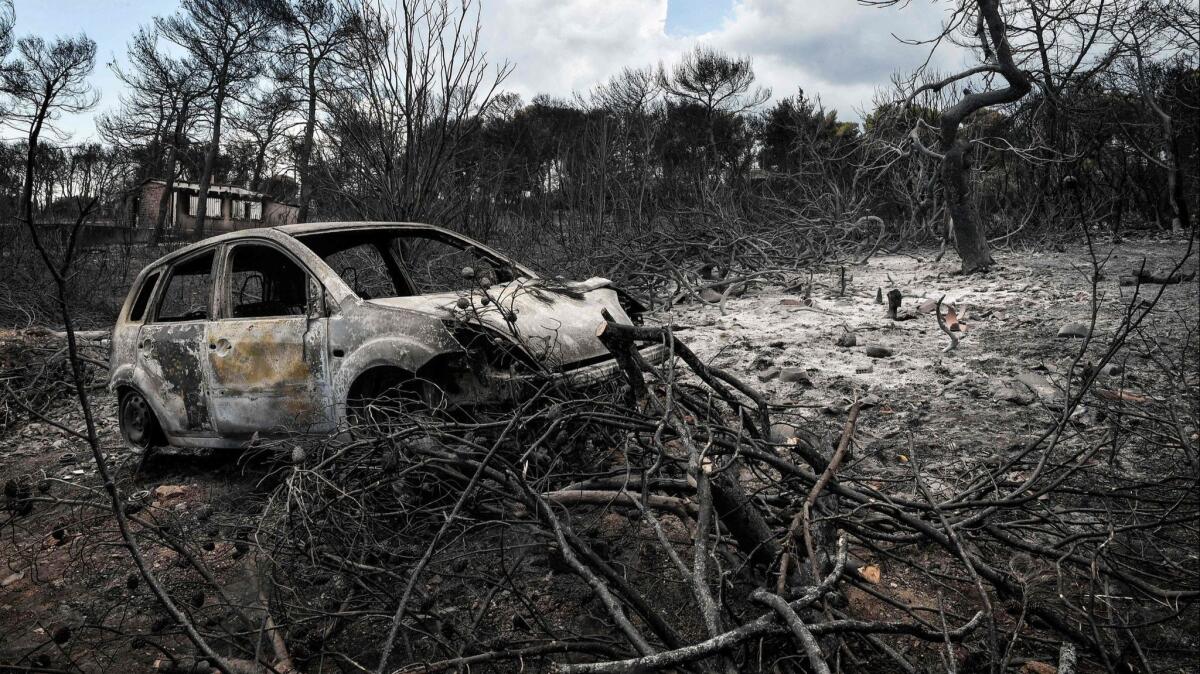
294, 328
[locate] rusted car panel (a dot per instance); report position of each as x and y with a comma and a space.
256, 332
173, 361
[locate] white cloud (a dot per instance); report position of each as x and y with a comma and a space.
562, 46
836, 49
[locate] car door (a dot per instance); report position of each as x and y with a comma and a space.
170, 345
267, 360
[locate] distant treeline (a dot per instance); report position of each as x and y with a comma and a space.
358, 112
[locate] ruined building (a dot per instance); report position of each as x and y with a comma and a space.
229, 208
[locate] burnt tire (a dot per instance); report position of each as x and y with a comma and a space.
139, 425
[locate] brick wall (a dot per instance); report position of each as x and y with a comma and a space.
273, 213
147, 208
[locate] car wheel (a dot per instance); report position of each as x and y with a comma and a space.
139, 427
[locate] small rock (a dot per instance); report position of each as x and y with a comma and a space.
879, 351
762, 363
1017, 392
67, 459
1074, 329
1039, 384
1113, 370
12, 579
847, 339
165, 493
864, 369
794, 375
783, 432
710, 295
769, 374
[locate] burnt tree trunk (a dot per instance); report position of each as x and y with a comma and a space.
969, 234
210, 158
970, 238
164, 201
310, 123
1180, 218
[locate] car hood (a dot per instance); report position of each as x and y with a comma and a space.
554, 322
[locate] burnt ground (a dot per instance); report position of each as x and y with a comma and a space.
949, 411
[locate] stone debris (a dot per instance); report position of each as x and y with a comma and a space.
794, 375
769, 374
1015, 391
1074, 329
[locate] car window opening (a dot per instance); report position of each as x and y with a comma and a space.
399, 264
188, 291
264, 282
138, 310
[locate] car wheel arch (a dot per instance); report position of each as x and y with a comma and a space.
122, 385
123, 390
383, 352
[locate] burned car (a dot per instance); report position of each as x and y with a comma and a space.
299, 327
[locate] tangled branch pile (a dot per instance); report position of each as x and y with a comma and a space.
35, 372
673, 521
668, 524
701, 258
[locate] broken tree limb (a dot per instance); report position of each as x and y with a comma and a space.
620, 344
734, 507
830, 470
89, 335
937, 310
804, 638
681, 506
619, 339
1148, 278
766, 625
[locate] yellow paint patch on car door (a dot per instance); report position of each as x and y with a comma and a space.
266, 374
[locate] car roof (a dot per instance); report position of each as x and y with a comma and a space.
293, 231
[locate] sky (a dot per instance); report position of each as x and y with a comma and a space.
836, 49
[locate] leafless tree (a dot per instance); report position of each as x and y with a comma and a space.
163, 99
226, 39
1158, 34
412, 83
45, 81
262, 120
313, 33
1018, 47
7, 19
